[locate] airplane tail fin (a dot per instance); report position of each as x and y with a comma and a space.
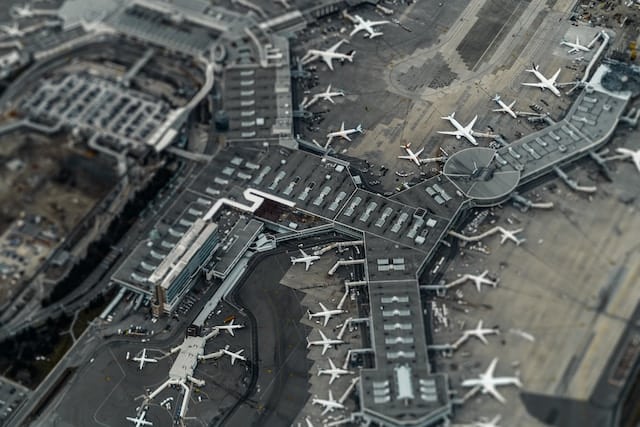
309, 314
496, 98
359, 128
350, 56
308, 343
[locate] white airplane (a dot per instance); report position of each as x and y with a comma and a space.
630, 154
343, 133
144, 359
328, 95
488, 382
510, 235
140, 421
575, 47
411, 155
11, 30
328, 55
329, 404
466, 131
325, 342
481, 279
234, 355
492, 423
479, 333
22, 11
307, 259
326, 313
333, 371
544, 83
361, 24
230, 327
504, 108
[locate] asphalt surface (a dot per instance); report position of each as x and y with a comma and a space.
282, 383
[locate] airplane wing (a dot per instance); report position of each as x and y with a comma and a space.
334, 377
492, 367
346, 137
636, 160
552, 80
327, 60
335, 47
572, 50
357, 29
230, 330
483, 339
418, 152
333, 366
451, 132
491, 389
324, 337
540, 85
372, 23
304, 254
326, 409
325, 347
405, 157
512, 104
469, 127
307, 264
326, 319
330, 395
323, 307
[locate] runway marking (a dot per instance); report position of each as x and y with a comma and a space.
124, 375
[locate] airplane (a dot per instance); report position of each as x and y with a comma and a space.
328, 55
11, 30
481, 279
479, 333
544, 83
325, 342
308, 422
488, 382
307, 259
140, 421
326, 313
510, 235
575, 47
411, 155
333, 371
630, 154
22, 11
230, 327
365, 25
466, 131
234, 355
329, 404
326, 95
492, 423
504, 108
144, 359
343, 133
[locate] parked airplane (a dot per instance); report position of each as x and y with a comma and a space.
510, 235
544, 83
411, 155
144, 359
307, 259
479, 333
325, 342
325, 313
361, 24
630, 154
466, 131
230, 327
343, 133
329, 404
140, 421
22, 11
327, 95
492, 423
504, 108
333, 371
234, 355
481, 279
11, 30
488, 382
575, 47
328, 55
